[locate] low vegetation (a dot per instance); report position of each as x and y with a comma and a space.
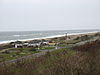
81, 60
14, 53
47, 47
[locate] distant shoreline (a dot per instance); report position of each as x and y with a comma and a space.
50, 37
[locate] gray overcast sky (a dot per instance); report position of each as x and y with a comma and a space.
49, 14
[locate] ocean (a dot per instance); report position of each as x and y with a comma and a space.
11, 36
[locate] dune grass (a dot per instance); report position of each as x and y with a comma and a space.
80, 60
